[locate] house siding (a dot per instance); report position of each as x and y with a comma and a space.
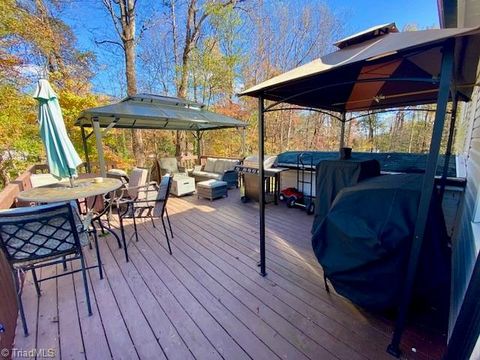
466, 243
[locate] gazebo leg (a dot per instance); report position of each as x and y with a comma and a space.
426, 195
261, 176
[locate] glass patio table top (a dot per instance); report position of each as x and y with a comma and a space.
62, 191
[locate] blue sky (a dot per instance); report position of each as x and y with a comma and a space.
90, 22
366, 13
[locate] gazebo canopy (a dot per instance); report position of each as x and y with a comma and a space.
146, 111
376, 69
154, 112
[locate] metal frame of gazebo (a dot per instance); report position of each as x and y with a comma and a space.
341, 72
150, 112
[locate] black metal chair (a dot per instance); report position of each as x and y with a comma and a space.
151, 202
40, 236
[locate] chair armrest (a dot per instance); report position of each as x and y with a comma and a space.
146, 189
125, 196
139, 187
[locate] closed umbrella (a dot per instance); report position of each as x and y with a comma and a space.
61, 155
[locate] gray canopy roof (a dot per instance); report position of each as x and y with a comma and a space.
146, 111
376, 69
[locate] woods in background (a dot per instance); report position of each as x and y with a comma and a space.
203, 50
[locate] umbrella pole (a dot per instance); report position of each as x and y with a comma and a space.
261, 178
426, 195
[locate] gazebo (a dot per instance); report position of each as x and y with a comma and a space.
380, 68
151, 112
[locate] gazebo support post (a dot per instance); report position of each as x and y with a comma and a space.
342, 130
244, 141
85, 150
448, 151
198, 136
261, 179
98, 142
426, 194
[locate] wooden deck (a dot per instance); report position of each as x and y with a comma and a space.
207, 300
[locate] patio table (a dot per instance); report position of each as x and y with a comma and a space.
62, 191
83, 189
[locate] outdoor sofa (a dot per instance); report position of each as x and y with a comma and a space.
218, 169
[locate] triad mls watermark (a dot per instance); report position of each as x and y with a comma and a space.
39, 353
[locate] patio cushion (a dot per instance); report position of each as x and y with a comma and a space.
211, 184
209, 175
223, 165
210, 165
219, 166
232, 164
169, 165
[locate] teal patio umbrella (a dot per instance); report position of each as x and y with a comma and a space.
61, 155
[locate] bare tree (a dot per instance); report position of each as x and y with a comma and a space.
122, 13
197, 15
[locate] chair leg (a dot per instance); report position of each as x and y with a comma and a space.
166, 235
169, 224
64, 263
18, 294
151, 218
109, 230
35, 281
109, 214
101, 226
85, 283
135, 225
122, 230
97, 250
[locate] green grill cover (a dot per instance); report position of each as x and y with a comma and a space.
363, 243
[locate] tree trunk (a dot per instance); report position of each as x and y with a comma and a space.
124, 24
4, 176
137, 135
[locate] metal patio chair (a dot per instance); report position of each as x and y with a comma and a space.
151, 202
40, 236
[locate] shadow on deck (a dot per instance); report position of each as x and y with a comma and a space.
207, 300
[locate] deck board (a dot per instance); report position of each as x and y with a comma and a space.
207, 300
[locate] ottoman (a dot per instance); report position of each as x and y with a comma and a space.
212, 189
182, 185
